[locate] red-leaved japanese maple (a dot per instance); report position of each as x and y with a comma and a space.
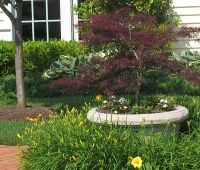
140, 44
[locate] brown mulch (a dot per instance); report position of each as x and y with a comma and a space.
13, 113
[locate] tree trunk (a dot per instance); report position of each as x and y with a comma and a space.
138, 78
19, 71
138, 87
16, 21
19, 62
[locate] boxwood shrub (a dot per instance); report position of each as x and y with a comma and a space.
35, 86
38, 55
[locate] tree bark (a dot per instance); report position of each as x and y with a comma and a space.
21, 100
16, 21
138, 78
19, 72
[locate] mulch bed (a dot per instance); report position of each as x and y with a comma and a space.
15, 114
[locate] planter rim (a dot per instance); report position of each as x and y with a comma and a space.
178, 115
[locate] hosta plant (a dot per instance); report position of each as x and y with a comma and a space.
69, 65
189, 58
65, 66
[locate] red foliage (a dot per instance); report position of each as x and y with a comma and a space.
141, 44
68, 85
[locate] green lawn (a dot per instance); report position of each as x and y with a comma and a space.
55, 102
9, 129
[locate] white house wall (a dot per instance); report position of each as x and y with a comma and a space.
188, 12
5, 27
67, 22
75, 19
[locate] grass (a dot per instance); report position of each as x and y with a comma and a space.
55, 103
58, 103
9, 131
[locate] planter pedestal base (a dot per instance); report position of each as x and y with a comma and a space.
152, 122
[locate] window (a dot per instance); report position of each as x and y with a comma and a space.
41, 19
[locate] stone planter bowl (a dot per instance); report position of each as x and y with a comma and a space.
152, 121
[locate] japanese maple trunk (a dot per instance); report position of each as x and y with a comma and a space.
138, 87
19, 62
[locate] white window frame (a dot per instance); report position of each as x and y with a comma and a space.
75, 20
68, 20
32, 21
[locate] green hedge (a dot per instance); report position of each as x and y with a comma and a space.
38, 55
7, 57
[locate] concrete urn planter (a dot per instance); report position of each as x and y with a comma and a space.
152, 121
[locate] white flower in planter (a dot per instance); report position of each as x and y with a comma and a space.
125, 107
115, 111
163, 101
122, 100
165, 106
105, 101
113, 97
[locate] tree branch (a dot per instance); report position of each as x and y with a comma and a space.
8, 13
19, 9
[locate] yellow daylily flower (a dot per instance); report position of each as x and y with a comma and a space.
80, 124
99, 98
101, 161
136, 162
74, 158
19, 136
40, 116
73, 110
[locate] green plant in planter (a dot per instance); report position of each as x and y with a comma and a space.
124, 106
115, 105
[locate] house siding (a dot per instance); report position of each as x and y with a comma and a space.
189, 14
5, 27
187, 11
